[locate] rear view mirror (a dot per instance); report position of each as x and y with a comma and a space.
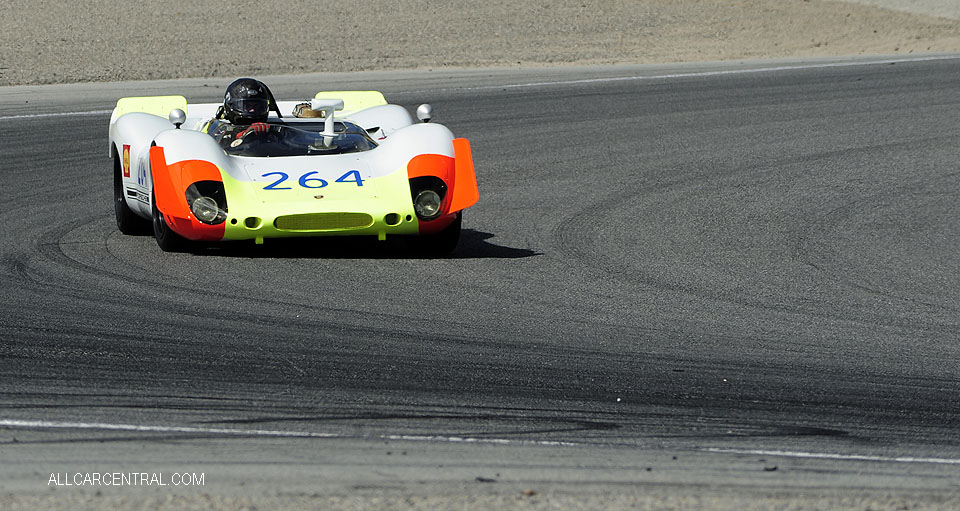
177, 117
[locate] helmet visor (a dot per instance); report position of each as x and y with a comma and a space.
253, 108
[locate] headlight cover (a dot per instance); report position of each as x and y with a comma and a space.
427, 204
427, 193
207, 201
205, 209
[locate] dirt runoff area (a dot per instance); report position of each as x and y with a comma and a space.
48, 41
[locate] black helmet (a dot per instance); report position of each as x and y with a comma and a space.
247, 101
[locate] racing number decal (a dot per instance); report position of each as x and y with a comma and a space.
306, 181
142, 172
126, 160
273, 185
346, 178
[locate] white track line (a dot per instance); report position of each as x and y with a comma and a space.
160, 429
9, 423
26, 424
838, 457
475, 440
699, 74
59, 114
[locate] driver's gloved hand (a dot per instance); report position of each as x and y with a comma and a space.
258, 127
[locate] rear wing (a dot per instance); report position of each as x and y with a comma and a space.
354, 100
156, 105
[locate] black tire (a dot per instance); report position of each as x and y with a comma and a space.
443, 242
167, 239
128, 222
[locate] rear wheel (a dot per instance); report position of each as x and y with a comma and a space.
128, 222
167, 239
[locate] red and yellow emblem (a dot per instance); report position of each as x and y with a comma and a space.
126, 160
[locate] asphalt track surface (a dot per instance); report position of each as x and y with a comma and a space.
730, 277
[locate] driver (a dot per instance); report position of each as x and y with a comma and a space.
246, 105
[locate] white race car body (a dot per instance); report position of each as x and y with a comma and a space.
369, 169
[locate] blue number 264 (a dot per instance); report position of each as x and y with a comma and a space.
307, 181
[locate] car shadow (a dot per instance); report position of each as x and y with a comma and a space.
473, 245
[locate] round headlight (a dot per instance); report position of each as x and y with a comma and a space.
205, 209
427, 204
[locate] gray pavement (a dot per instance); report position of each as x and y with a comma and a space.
751, 272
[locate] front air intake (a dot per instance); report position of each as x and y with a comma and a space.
314, 222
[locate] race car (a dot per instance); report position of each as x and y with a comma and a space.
344, 163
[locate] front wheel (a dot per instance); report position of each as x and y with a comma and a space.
443, 242
167, 239
128, 222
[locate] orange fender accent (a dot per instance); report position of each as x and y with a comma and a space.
436, 165
465, 191
432, 165
163, 186
440, 166
169, 186
456, 172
